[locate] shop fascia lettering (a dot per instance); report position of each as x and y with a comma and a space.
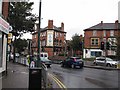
4, 26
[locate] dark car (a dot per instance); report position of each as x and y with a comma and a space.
73, 62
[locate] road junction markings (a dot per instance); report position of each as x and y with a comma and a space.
60, 84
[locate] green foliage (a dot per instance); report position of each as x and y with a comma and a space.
75, 43
20, 17
20, 45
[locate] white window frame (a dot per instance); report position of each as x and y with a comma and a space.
94, 32
111, 32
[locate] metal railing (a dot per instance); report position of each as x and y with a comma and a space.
24, 61
44, 75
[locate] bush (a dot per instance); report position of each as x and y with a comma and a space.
89, 59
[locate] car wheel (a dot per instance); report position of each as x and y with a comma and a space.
72, 66
108, 65
48, 66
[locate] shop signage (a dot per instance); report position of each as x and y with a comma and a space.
4, 26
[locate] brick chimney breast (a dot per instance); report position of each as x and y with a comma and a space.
62, 26
50, 24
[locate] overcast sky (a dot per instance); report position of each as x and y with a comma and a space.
77, 15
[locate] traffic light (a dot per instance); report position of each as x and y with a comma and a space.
107, 45
102, 45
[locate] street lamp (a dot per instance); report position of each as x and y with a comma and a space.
38, 53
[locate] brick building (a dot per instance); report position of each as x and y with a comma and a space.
52, 39
102, 32
4, 30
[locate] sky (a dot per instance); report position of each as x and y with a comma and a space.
76, 15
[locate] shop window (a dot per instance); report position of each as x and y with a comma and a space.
0, 49
96, 53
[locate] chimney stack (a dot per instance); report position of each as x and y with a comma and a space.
62, 26
50, 24
116, 24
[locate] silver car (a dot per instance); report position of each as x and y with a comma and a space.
105, 61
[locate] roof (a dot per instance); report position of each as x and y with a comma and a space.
101, 26
58, 29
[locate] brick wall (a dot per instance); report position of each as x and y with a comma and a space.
5, 9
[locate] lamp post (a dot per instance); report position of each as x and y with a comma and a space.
38, 53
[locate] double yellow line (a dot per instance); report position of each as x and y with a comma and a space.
60, 84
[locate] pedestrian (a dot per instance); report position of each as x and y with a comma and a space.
28, 59
32, 64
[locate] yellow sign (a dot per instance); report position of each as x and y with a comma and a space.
9, 41
10, 36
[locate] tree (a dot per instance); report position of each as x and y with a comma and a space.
76, 43
21, 19
20, 44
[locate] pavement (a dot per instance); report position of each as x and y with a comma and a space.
17, 76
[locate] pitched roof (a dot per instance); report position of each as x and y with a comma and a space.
46, 28
101, 26
54, 28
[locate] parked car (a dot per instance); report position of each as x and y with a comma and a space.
73, 62
46, 61
105, 61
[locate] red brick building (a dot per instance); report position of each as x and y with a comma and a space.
52, 39
102, 32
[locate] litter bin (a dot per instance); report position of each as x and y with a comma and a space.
35, 78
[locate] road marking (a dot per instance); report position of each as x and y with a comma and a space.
60, 84
56, 81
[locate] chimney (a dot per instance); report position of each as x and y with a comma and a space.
50, 24
62, 26
116, 24
101, 23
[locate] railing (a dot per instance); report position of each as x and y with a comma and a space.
44, 75
24, 61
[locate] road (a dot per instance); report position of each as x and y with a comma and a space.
85, 77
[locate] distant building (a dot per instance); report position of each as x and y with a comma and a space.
52, 39
102, 32
4, 30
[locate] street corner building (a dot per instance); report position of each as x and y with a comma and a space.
52, 39
102, 32
4, 31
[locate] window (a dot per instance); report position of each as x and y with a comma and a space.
0, 49
94, 33
34, 36
94, 41
95, 53
111, 32
104, 33
60, 34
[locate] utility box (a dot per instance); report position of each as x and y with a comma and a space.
35, 75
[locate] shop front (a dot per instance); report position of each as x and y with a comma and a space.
4, 30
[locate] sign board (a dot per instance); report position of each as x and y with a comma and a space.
49, 38
4, 26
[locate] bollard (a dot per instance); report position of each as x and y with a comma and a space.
35, 78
